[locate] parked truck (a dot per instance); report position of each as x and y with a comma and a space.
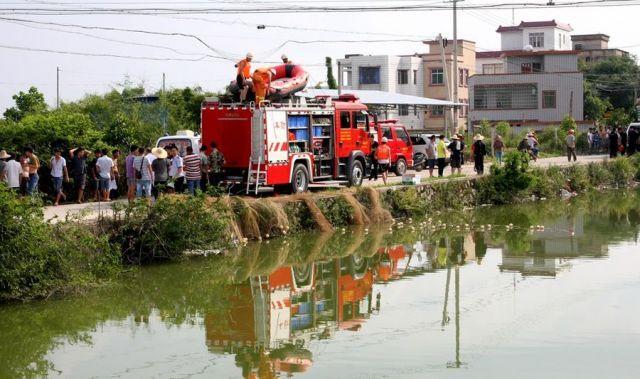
399, 144
288, 146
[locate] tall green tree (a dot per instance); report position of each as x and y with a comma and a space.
29, 102
331, 80
594, 105
615, 79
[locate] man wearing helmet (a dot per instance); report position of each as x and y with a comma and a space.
285, 59
243, 76
383, 155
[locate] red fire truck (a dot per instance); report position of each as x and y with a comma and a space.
289, 146
399, 144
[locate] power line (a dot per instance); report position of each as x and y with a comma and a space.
310, 9
140, 31
31, 49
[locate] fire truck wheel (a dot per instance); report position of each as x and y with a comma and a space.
356, 174
300, 179
401, 167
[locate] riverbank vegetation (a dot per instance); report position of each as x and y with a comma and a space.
40, 259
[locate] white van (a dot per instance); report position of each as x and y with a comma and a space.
182, 139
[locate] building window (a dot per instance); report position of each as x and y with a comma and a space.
578, 46
515, 96
403, 76
503, 98
463, 77
536, 39
492, 68
369, 75
548, 99
415, 76
403, 110
480, 98
531, 67
464, 110
437, 76
437, 111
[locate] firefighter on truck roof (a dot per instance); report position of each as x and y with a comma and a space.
261, 80
243, 76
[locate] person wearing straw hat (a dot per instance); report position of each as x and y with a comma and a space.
479, 151
3, 164
160, 167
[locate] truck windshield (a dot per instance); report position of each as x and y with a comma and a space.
386, 132
181, 144
403, 135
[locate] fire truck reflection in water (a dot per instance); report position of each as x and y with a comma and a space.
272, 318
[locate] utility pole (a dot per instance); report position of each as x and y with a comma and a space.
339, 78
445, 77
164, 108
455, 63
57, 87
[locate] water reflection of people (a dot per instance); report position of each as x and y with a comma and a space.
457, 250
480, 246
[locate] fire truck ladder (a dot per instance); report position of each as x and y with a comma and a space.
250, 171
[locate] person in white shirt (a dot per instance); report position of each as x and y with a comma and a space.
58, 172
104, 166
13, 173
176, 170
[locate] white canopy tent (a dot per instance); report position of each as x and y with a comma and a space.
380, 98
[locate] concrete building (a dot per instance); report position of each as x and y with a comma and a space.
540, 35
593, 47
531, 36
399, 74
436, 72
533, 81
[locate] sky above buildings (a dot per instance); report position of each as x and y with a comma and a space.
226, 37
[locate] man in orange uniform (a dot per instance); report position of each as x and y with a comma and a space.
383, 155
244, 73
261, 80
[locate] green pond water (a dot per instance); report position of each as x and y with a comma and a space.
563, 302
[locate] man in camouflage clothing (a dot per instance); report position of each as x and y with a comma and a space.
216, 161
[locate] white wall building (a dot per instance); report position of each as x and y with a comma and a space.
399, 74
540, 35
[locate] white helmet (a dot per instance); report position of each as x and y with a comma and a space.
384, 140
284, 56
249, 55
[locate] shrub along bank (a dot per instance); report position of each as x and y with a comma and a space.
38, 259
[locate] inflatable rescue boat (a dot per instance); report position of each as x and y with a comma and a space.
286, 80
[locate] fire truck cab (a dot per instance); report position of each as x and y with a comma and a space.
399, 144
289, 146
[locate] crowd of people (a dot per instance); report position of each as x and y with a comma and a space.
97, 175
614, 141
